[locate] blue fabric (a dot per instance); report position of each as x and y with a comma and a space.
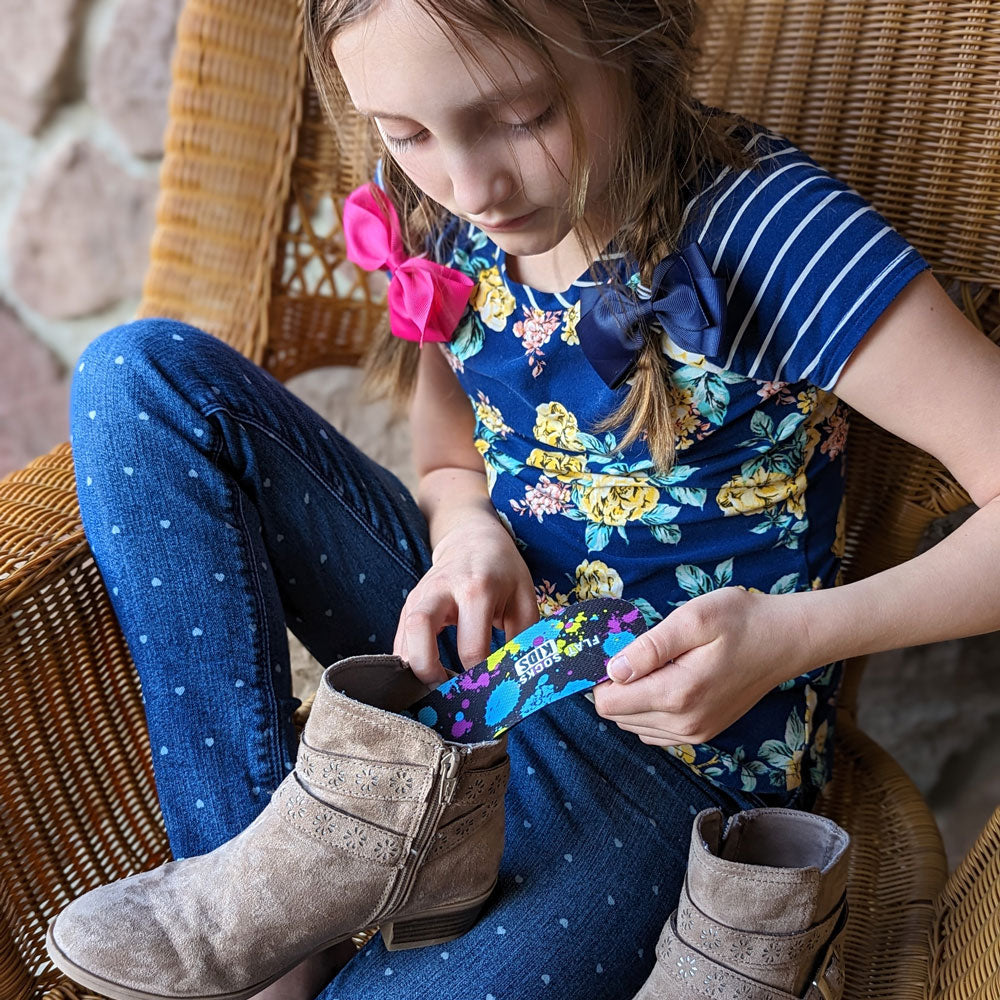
685, 296
754, 498
219, 508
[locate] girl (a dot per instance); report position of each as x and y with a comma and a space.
664, 300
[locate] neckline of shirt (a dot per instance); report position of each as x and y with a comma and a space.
564, 299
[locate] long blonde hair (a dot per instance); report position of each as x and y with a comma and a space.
666, 138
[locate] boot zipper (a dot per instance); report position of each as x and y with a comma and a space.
424, 837
449, 768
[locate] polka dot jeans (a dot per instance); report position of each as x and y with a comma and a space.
220, 508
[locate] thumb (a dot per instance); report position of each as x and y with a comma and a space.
648, 652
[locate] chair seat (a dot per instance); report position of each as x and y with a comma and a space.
59, 762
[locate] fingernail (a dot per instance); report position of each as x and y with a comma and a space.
618, 668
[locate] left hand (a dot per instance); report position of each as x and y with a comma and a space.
707, 664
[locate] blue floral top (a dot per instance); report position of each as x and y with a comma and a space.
754, 498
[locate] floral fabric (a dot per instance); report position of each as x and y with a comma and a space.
754, 498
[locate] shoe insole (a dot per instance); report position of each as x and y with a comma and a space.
561, 655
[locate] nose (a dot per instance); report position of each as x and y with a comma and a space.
482, 177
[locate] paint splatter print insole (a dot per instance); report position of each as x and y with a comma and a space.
558, 656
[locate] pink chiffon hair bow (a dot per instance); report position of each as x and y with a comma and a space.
426, 299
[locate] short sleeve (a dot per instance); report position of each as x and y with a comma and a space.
809, 264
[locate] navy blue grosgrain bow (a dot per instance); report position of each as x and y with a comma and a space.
687, 299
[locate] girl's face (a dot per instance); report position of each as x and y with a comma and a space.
460, 131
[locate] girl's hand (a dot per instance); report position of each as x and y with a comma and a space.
705, 665
478, 581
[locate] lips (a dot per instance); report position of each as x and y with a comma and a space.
507, 225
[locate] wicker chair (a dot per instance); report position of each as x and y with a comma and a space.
902, 99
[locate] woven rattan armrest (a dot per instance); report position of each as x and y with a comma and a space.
965, 942
78, 804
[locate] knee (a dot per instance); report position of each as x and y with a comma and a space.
140, 340
120, 366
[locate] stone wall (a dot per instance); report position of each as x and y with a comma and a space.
83, 87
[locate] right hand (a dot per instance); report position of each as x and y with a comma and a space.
478, 581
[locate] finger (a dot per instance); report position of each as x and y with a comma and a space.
647, 722
399, 639
475, 619
521, 612
617, 703
655, 736
420, 626
657, 691
679, 632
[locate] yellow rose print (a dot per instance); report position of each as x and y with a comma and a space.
556, 426
564, 467
548, 599
492, 300
615, 500
684, 752
570, 318
597, 579
689, 425
762, 490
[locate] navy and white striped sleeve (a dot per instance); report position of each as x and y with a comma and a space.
809, 264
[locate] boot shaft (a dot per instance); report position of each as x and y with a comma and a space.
780, 870
761, 913
398, 784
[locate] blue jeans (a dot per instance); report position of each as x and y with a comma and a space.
221, 509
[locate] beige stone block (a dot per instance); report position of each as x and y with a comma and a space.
130, 78
35, 42
80, 234
34, 396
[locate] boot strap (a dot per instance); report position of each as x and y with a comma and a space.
366, 779
747, 948
482, 790
335, 829
704, 976
362, 779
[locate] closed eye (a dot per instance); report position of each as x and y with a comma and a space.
529, 127
401, 143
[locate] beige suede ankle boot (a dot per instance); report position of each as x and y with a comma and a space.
382, 821
761, 914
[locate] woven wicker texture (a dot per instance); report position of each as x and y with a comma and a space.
900, 98
897, 868
897, 97
234, 102
77, 801
966, 940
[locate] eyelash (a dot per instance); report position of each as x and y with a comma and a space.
518, 128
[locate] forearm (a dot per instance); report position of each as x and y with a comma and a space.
453, 496
947, 592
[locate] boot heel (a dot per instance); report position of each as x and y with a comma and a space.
434, 928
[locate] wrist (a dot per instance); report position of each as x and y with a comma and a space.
469, 526
823, 627
448, 495
794, 623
